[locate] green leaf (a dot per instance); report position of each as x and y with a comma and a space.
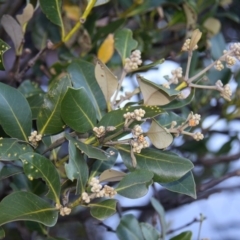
166, 167
149, 232
159, 136
129, 228
52, 10
99, 166
135, 184
89, 150
124, 43
111, 175
104, 209
77, 167
2, 233
77, 110
26, 206
100, 2
149, 66
82, 74
8, 171
184, 185
14, 122
166, 118
3, 48
35, 102
49, 118
11, 149
160, 210
183, 236
29, 88
37, 166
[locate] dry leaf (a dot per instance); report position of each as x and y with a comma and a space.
111, 175
159, 137
25, 16
196, 36
14, 30
106, 50
72, 12
106, 80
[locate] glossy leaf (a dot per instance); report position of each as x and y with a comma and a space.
14, 30
184, 185
149, 232
15, 123
82, 74
49, 119
160, 210
77, 167
144, 68
26, 206
52, 10
104, 209
166, 118
106, 49
11, 149
152, 95
29, 88
106, 79
25, 16
100, 165
89, 150
8, 171
158, 135
124, 43
129, 228
35, 102
135, 184
183, 236
37, 166
166, 167
77, 110
3, 48
111, 175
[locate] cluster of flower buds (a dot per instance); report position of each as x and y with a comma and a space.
186, 46
139, 143
191, 44
137, 130
35, 138
235, 48
198, 136
98, 191
133, 62
225, 90
100, 131
218, 65
63, 210
137, 114
193, 119
176, 75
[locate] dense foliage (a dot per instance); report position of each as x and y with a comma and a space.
73, 138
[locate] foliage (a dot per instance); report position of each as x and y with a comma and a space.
84, 105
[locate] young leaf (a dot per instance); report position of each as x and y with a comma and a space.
124, 43
89, 150
37, 166
153, 95
111, 175
25, 16
3, 48
26, 206
8, 171
49, 119
106, 80
104, 209
159, 137
14, 30
77, 167
82, 74
129, 228
135, 184
52, 10
77, 110
160, 210
11, 149
15, 123
166, 167
184, 185
149, 232
106, 50
187, 235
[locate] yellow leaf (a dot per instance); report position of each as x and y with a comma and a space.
106, 50
213, 25
72, 12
